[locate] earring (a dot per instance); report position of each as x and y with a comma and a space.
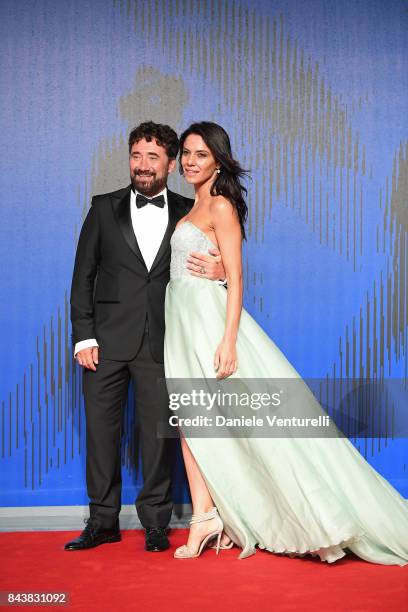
218, 170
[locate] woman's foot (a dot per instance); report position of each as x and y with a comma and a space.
202, 526
225, 540
198, 531
225, 544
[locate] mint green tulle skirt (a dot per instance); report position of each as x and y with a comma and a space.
293, 496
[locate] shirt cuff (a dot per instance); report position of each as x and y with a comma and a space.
84, 344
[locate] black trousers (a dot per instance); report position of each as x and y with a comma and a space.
105, 393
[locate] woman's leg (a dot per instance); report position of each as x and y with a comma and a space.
201, 500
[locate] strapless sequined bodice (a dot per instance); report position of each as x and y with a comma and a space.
186, 238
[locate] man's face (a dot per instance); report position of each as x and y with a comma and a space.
149, 167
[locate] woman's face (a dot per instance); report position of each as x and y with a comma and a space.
198, 163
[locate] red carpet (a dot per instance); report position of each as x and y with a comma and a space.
123, 577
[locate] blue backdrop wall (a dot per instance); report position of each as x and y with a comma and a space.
314, 96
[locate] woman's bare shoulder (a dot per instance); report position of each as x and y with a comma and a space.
221, 207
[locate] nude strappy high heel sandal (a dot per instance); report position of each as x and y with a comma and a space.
184, 552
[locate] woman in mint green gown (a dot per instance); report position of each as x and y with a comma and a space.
292, 495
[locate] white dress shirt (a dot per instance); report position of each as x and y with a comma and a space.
149, 225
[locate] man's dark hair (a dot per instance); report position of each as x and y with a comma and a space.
164, 135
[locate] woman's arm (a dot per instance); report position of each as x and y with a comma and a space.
228, 233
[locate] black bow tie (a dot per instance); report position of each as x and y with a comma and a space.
141, 200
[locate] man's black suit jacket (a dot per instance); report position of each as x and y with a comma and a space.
112, 291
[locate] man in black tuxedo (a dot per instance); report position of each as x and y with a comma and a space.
122, 267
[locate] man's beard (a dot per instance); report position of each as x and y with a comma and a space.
150, 188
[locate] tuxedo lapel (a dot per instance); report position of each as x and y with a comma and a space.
121, 209
175, 212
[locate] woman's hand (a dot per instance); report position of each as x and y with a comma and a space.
225, 359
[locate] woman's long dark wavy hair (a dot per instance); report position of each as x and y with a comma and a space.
227, 182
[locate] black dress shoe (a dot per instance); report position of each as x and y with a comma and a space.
156, 539
93, 536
